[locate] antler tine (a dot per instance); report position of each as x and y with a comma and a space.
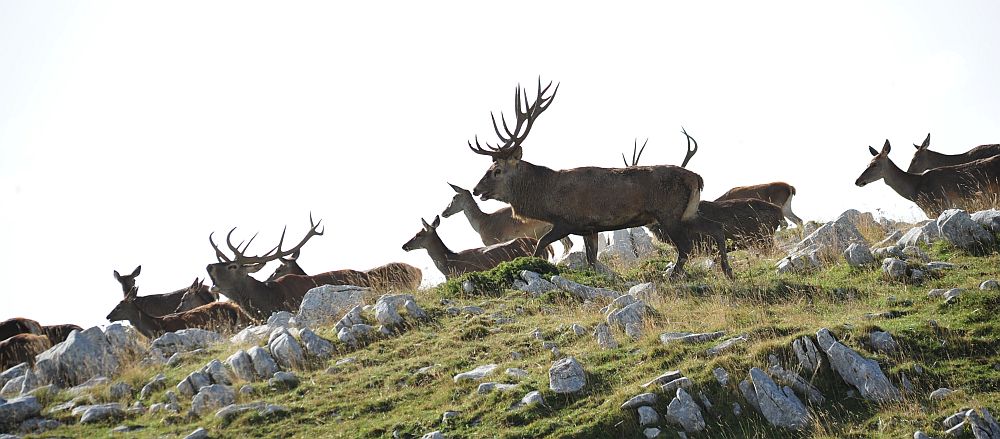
635, 159
236, 251
218, 253
625, 160
313, 231
691, 151
525, 114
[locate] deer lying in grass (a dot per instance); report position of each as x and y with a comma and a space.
22, 348
453, 264
924, 159
394, 276
215, 316
585, 201
960, 186
162, 304
19, 325
746, 222
58, 333
499, 226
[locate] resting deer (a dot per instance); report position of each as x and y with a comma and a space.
924, 159
499, 226
937, 189
19, 325
162, 304
58, 333
585, 201
22, 348
778, 193
746, 221
216, 316
394, 276
453, 264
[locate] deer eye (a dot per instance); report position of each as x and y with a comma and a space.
496, 172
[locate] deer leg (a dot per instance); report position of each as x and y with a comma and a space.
682, 242
590, 243
553, 235
567, 245
713, 230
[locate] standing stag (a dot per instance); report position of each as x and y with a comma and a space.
959, 186
453, 264
499, 226
215, 316
745, 221
585, 201
394, 276
924, 159
162, 304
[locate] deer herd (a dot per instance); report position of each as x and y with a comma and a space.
545, 206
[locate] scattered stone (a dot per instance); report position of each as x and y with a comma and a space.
644, 292
926, 234
938, 265
13, 372
605, 340
534, 283
283, 380
858, 255
990, 284
84, 355
639, 401
472, 310
120, 390
664, 378
679, 383
102, 413
883, 342
199, 433
648, 416
651, 433
920, 435
211, 398
956, 430
958, 228
13, 387
323, 305
37, 426
578, 329
476, 374
952, 295
862, 373
316, 346
797, 383
185, 340
807, 354
29, 382
433, 435
582, 292
726, 345
954, 419
737, 409
14, 411
530, 399
894, 268
914, 252
287, 352
984, 426
721, 376
940, 394
485, 388
242, 366
448, 416
122, 429
179, 357
514, 372
263, 364
567, 376
779, 406
689, 337
683, 411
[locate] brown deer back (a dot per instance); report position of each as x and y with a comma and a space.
776, 193
19, 325
215, 316
22, 348
748, 222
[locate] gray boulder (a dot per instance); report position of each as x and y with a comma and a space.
664, 378
683, 411
926, 233
648, 416
120, 390
628, 317
124, 340
475, 374
639, 401
988, 219
801, 259
14, 411
185, 340
679, 383
213, 397
644, 292
858, 255
199, 433
883, 342
218, 373
990, 284
779, 406
940, 394
582, 292
984, 426
316, 346
351, 317
325, 304
13, 372
864, 374
102, 413
532, 398
894, 268
229, 412
721, 376
726, 345
29, 382
253, 335
82, 356
533, 283
797, 383
689, 337
567, 376
263, 363
191, 383
159, 382
283, 380
604, 338
807, 354
958, 228
242, 366
287, 352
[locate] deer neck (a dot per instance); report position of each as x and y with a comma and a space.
439, 253
526, 201
939, 159
477, 218
904, 183
251, 295
146, 323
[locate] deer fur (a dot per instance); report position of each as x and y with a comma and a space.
216, 316
58, 333
778, 193
499, 226
394, 276
19, 325
746, 222
924, 159
453, 264
936, 189
162, 304
22, 348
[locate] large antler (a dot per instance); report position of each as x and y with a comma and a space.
635, 157
241, 258
690, 151
525, 117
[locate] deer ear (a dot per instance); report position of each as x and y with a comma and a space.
118, 277
437, 221
927, 142
886, 148
872, 150
424, 222
136, 271
295, 255
254, 268
457, 189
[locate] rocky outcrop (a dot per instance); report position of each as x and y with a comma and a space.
958, 228
863, 374
778, 405
683, 411
325, 304
567, 376
84, 355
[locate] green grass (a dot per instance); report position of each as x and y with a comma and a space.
381, 394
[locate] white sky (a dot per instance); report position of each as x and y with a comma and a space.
131, 130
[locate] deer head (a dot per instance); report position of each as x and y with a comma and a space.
287, 265
507, 155
127, 308
228, 273
128, 280
459, 202
190, 298
876, 168
923, 158
425, 236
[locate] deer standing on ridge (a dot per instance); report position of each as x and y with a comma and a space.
453, 264
162, 304
587, 200
924, 159
936, 189
215, 316
499, 226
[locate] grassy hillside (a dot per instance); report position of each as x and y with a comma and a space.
382, 394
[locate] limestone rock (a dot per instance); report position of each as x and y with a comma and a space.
858, 255
241, 366
926, 234
988, 219
316, 346
534, 283
476, 374
726, 345
688, 337
530, 399
645, 292
862, 373
567, 376
664, 378
894, 268
797, 383
779, 406
102, 413
287, 352
721, 376
13, 372
263, 363
218, 373
883, 342
199, 433
683, 411
648, 416
82, 356
940, 394
185, 340
639, 401
194, 381
14, 411
807, 354
283, 380
604, 338
958, 228
582, 292
984, 426
325, 304
213, 397
990, 284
